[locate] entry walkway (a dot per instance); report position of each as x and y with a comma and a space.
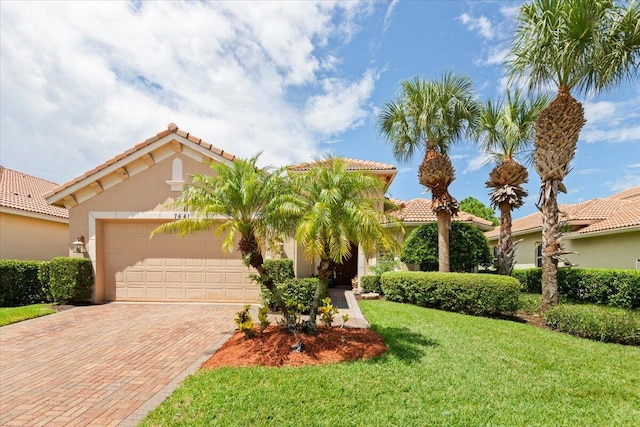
346, 302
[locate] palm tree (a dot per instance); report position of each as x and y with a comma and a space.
239, 201
338, 207
582, 45
505, 130
432, 115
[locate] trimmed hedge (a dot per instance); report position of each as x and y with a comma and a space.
598, 323
279, 269
371, 283
619, 288
300, 291
23, 282
468, 293
70, 279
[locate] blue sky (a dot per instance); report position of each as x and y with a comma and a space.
83, 81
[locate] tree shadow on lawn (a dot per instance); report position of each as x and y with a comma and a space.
403, 343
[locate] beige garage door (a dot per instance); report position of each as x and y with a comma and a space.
170, 268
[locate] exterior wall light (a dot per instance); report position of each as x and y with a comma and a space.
78, 245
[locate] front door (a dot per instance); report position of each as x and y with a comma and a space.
343, 273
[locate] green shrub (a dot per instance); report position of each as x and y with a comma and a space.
530, 279
21, 283
598, 323
619, 288
71, 279
297, 291
468, 247
477, 294
371, 283
279, 269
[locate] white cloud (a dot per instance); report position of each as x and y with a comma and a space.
389, 14
84, 81
341, 106
627, 181
636, 165
477, 163
404, 170
591, 171
481, 25
599, 111
592, 135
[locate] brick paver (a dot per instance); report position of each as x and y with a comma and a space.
104, 365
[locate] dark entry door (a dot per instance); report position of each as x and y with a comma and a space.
343, 273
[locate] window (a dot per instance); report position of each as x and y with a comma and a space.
538, 254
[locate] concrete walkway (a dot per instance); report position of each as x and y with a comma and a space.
346, 302
104, 365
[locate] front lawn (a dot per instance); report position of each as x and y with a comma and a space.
441, 369
10, 315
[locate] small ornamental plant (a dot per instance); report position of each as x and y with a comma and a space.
263, 318
244, 321
327, 311
345, 319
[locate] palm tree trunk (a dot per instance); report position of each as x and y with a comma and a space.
506, 250
249, 248
321, 290
550, 244
444, 222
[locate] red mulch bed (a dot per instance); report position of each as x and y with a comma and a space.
273, 347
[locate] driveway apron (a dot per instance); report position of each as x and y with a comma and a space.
104, 365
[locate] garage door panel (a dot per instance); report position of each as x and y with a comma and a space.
193, 277
209, 262
155, 277
154, 294
193, 262
170, 268
232, 278
194, 294
234, 294
175, 294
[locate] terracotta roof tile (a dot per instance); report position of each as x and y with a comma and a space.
171, 128
618, 211
26, 193
419, 210
352, 164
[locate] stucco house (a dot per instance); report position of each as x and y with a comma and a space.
115, 206
30, 228
604, 233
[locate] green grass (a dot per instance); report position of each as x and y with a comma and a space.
10, 315
441, 369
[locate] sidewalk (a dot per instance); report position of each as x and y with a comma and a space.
346, 302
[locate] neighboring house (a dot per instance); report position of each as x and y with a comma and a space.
604, 233
30, 229
417, 212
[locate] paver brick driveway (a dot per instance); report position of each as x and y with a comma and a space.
103, 365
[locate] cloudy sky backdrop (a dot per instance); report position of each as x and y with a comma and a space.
83, 81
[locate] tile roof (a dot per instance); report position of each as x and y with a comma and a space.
171, 128
419, 211
352, 164
25, 192
621, 210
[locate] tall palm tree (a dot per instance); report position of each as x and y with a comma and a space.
338, 207
431, 116
505, 130
582, 45
243, 203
